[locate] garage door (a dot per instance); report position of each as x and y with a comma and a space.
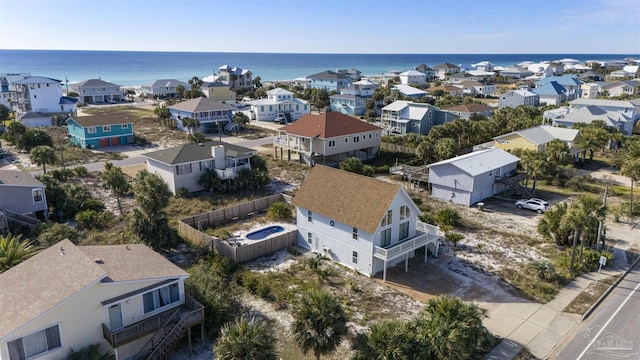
115, 141
104, 142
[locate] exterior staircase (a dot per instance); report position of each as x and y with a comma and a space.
307, 159
231, 126
288, 117
513, 182
171, 331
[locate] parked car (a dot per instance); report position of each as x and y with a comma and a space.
535, 204
111, 101
280, 119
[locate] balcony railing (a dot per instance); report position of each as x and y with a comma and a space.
282, 142
425, 234
230, 173
135, 331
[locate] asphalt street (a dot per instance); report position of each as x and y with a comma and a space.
613, 330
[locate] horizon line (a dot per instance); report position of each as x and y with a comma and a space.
322, 53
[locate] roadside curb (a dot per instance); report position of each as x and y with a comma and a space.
608, 291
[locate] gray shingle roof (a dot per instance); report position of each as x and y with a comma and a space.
544, 133
201, 104
37, 80
94, 83
16, 177
168, 83
196, 152
102, 119
328, 74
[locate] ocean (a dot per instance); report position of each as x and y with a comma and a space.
133, 68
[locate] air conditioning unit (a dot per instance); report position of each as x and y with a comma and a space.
326, 250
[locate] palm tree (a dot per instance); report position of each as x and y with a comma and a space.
448, 328
552, 227
14, 251
241, 119
43, 155
163, 114
90, 352
246, 339
627, 161
581, 216
320, 323
191, 124
389, 340
591, 138
113, 179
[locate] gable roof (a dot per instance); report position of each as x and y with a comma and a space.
328, 74
479, 162
102, 119
409, 90
446, 66
588, 114
470, 108
550, 88
168, 83
567, 79
352, 199
543, 134
604, 102
201, 104
94, 83
37, 80
131, 262
412, 73
279, 91
17, 177
187, 153
38, 284
328, 125
524, 93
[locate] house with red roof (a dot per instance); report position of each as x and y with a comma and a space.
328, 136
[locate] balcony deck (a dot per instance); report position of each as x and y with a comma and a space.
425, 235
191, 309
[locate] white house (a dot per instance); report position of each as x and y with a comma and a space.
67, 297
445, 69
97, 91
6, 83
236, 77
40, 94
279, 102
332, 134
362, 223
182, 166
484, 66
590, 90
164, 87
412, 77
476, 88
470, 178
541, 70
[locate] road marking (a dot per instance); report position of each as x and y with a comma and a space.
608, 321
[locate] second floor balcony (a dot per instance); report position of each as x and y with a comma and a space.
425, 234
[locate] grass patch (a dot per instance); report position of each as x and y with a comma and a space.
251, 132
590, 295
204, 202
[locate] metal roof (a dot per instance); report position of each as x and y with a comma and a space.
479, 162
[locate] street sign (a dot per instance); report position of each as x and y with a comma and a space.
603, 261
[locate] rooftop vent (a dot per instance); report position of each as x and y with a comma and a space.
98, 261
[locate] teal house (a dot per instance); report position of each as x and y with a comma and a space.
98, 131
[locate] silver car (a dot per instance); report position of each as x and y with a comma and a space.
535, 204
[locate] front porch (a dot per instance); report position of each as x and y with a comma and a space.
425, 235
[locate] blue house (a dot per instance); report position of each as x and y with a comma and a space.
97, 131
329, 80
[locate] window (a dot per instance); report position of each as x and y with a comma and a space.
297, 107
369, 136
161, 297
356, 139
404, 212
124, 126
183, 169
309, 216
404, 231
332, 143
309, 237
387, 219
355, 234
106, 128
262, 108
385, 237
346, 140
37, 195
354, 257
34, 344
91, 130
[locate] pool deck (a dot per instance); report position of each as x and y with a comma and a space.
239, 237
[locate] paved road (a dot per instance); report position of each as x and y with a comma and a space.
613, 331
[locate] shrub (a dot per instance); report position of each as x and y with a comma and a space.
90, 352
51, 233
80, 171
454, 238
61, 174
89, 219
182, 192
280, 211
447, 218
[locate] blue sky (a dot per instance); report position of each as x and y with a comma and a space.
324, 26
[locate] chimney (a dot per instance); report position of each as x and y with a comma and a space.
217, 151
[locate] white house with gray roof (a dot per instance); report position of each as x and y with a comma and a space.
412, 77
97, 91
21, 193
117, 296
515, 98
404, 117
279, 102
210, 113
164, 88
182, 166
470, 178
589, 114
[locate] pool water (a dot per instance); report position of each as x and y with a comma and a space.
264, 232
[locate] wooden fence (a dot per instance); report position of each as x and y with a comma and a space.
192, 228
398, 148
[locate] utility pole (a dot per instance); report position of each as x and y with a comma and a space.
604, 204
61, 152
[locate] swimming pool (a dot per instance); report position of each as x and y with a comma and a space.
264, 232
